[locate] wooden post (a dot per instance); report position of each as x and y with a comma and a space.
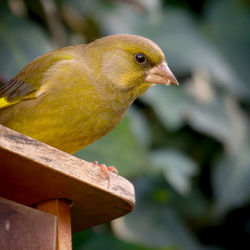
60, 208
32, 172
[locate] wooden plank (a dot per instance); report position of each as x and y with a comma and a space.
22, 227
31, 172
60, 208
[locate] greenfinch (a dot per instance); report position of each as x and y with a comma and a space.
70, 97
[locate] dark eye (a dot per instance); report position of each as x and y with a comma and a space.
140, 58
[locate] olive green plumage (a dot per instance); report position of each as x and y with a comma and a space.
72, 96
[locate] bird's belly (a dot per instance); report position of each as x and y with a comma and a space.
66, 127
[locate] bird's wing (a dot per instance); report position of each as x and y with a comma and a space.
27, 83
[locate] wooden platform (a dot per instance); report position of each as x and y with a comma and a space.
32, 172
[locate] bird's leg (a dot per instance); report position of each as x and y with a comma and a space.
105, 170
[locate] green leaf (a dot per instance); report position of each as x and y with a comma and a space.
229, 31
20, 42
168, 103
152, 223
92, 240
222, 118
139, 126
177, 168
231, 180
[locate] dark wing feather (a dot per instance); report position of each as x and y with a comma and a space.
15, 88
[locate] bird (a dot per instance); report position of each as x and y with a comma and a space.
71, 97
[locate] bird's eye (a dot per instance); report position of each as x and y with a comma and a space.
140, 59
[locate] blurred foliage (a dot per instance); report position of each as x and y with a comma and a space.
186, 149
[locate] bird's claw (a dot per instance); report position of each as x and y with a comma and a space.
105, 170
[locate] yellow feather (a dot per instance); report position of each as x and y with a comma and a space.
4, 103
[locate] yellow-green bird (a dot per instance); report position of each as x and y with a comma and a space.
70, 97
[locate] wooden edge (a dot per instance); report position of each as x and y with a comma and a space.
59, 161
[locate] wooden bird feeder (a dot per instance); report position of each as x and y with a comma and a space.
46, 194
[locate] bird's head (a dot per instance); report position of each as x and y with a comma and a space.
130, 63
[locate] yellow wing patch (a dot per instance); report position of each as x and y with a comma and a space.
4, 103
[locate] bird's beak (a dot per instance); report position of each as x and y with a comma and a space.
161, 74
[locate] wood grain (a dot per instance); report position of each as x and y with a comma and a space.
60, 208
31, 172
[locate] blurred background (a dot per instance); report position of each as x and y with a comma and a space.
186, 149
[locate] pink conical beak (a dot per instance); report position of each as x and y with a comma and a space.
161, 74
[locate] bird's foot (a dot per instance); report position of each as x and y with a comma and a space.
105, 170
